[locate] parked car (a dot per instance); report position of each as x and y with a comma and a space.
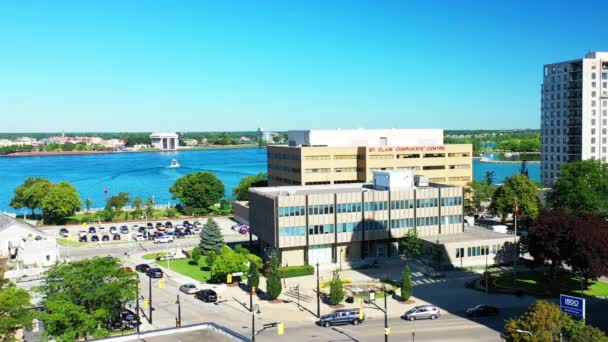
139, 237
196, 230
130, 318
159, 224
142, 268
135, 227
188, 288
235, 227
343, 316
92, 230
150, 225
82, 238
164, 239
197, 224
179, 234
244, 230
94, 238
101, 229
113, 230
482, 311
116, 237
208, 295
105, 238
124, 230
168, 224
421, 312
154, 272
63, 232
142, 230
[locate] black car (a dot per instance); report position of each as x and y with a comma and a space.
168, 224
142, 268
154, 272
94, 238
483, 311
159, 224
179, 234
92, 230
82, 238
150, 225
116, 237
208, 296
130, 319
141, 229
105, 238
187, 231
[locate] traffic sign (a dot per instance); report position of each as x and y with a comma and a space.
281, 329
229, 278
574, 306
387, 331
161, 284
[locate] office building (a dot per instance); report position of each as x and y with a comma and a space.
315, 157
342, 222
574, 116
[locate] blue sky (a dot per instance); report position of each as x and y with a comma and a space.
236, 65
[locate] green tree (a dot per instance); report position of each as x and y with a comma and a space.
14, 311
61, 202
273, 280
196, 254
241, 192
406, 283
336, 289
226, 263
410, 244
88, 204
198, 190
137, 204
589, 333
118, 202
581, 188
212, 238
253, 276
80, 296
30, 194
520, 187
488, 177
523, 169
149, 208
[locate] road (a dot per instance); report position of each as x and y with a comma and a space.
234, 315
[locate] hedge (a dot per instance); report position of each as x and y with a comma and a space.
297, 271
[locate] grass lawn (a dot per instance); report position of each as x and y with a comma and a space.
537, 282
71, 243
199, 272
152, 256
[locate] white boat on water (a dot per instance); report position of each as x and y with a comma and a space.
174, 164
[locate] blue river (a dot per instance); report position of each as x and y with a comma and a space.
148, 174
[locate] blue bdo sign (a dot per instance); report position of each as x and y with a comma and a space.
574, 306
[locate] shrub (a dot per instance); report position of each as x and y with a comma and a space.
297, 271
211, 257
336, 290
253, 276
171, 212
273, 281
406, 283
241, 250
259, 263
196, 254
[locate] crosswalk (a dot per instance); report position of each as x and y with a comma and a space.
420, 279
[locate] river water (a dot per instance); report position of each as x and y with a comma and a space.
148, 174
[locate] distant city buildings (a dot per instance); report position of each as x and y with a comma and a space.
574, 106
165, 141
266, 136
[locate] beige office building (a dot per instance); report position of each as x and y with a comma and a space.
316, 157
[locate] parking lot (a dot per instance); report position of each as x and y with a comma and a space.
160, 231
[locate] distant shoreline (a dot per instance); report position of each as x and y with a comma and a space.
77, 153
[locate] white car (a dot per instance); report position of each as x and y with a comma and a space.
135, 227
164, 239
139, 237
196, 230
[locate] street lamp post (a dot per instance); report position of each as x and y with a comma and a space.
385, 311
256, 307
340, 258
137, 304
150, 297
318, 293
179, 313
251, 289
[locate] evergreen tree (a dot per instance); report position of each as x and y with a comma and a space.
406, 283
253, 276
273, 281
211, 237
336, 290
523, 169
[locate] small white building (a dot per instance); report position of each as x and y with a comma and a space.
165, 141
25, 246
265, 136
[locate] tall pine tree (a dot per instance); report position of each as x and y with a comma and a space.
211, 238
273, 281
406, 283
336, 290
253, 276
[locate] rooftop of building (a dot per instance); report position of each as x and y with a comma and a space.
471, 233
163, 134
365, 137
7, 221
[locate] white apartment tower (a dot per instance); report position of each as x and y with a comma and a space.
574, 115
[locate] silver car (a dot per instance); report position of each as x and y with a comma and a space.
421, 312
188, 288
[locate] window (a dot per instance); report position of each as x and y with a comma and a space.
407, 156
321, 170
434, 155
345, 169
434, 167
316, 157
381, 156
292, 211
459, 252
460, 166
345, 157
458, 155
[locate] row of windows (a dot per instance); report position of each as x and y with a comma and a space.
451, 219
376, 206
445, 201
375, 225
284, 156
292, 211
427, 221
320, 209
348, 208
292, 231
402, 204
477, 251
349, 227
402, 223
318, 229
427, 203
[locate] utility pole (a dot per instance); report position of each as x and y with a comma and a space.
515, 251
137, 306
486, 271
150, 291
179, 313
386, 331
318, 293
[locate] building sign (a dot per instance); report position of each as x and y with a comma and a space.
405, 149
574, 306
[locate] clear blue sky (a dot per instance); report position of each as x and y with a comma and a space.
236, 65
